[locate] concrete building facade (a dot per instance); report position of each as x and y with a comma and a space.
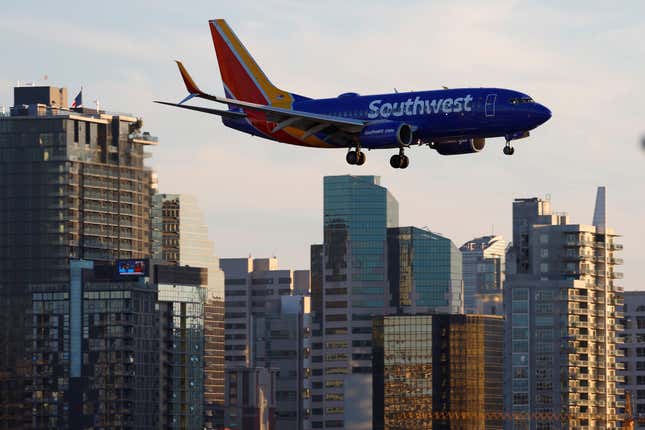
267, 325
562, 310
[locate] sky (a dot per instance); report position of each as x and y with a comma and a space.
583, 59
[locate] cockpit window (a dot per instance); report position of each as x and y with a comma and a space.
520, 100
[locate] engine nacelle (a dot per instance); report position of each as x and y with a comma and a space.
378, 134
458, 147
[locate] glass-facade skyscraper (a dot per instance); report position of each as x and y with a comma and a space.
437, 371
425, 272
354, 288
368, 267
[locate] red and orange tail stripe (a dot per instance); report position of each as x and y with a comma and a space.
241, 75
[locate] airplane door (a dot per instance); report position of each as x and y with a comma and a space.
489, 108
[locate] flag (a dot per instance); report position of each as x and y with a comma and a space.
78, 100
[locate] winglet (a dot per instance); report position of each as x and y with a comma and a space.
191, 86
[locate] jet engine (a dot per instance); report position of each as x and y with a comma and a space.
458, 147
386, 134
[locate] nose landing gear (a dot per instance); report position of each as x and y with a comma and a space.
400, 160
508, 149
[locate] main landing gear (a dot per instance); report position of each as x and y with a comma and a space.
508, 149
400, 160
356, 157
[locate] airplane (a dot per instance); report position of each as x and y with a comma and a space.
451, 121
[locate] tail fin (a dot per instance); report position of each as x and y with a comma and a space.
243, 79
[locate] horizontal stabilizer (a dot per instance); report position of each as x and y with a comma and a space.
224, 113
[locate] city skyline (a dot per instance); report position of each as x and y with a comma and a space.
590, 78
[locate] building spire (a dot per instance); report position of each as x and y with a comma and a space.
600, 210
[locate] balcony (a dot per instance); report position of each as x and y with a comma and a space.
143, 139
578, 242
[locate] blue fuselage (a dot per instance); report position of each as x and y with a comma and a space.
434, 115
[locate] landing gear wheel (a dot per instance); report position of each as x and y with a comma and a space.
395, 161
352, 157
509, 150
405, 162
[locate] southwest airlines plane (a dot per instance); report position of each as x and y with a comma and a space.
450, 121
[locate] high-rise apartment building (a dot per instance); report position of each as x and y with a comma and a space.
267, 326
484, 270
73, 185
562, 310
632, 354
180, 237
425, 272
437, 371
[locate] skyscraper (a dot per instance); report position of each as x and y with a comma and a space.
72, 185
437, 371
180, 237
267, 326
355, 288
368, 267
561, 306
484, 269
425, 272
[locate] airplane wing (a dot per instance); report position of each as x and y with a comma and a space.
337, 129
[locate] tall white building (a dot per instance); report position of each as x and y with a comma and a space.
562, 310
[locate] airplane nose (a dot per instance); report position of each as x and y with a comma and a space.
543, 114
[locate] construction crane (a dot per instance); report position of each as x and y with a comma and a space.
628, 421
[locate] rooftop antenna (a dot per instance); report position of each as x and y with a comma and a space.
396, 91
